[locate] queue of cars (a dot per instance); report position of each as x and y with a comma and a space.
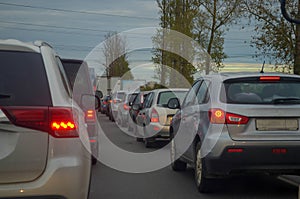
44, 139
225, 124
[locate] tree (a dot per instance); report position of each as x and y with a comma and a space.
206, 21
275, 38
114, 51
213, 18
176, 15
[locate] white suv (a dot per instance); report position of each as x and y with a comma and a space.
44, 147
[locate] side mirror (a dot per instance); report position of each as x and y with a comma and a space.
99, 94
173, 103
90, 102
136, 107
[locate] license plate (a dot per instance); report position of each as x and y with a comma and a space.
277, 124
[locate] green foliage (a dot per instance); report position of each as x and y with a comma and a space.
274, 37
205, 21
116, 58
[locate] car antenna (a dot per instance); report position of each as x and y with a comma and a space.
262, 68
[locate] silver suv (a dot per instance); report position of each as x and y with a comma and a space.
237, 123
44, 144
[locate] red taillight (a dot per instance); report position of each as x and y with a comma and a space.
90, 116
236, 119
269, 78
154, 115
279, 151
62, 123
218, 116
125, 107
34, 118
235, 150
58, 122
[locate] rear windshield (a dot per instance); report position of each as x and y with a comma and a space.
131, 97
120, 96
23, 80
254, 91
163, 97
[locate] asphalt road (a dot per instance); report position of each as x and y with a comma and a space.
108, 183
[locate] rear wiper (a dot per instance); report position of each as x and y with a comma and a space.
3, 96
289, 100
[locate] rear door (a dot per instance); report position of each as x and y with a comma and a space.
24, 103
265, 108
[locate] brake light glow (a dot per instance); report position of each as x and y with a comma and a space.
154, 116
218, 116
125, 107
62, 122
58, 122
63, 126
90, 115
269, 78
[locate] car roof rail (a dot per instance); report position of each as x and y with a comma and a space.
40, 43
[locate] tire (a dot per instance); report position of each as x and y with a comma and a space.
176, 164
204, 184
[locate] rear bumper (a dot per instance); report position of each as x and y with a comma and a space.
273, 157
255, 159
157, 131
66, 176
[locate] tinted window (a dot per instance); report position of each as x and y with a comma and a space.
202, 93
120, 96
131, 97
163, 97
23, 80
257, 92
190, 97
148, 100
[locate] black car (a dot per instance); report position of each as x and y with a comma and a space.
77, 72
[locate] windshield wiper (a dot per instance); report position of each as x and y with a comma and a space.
289, 100
3, 96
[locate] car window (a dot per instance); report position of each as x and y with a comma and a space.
257, 92
190, 97
132, 97
164, 97
202, 93
64, 77
23, 80
148, 100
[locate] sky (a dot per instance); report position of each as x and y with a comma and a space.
75, 27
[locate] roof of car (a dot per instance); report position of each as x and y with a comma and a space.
229, 75
170, 89
16, 45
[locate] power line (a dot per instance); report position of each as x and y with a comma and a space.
74, 11
52, 26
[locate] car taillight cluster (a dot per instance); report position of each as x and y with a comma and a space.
90, 115
58, 122
219, 116
154, 115
126, 107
